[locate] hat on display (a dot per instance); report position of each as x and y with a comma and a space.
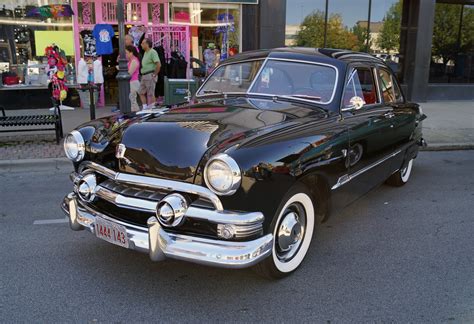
211, 45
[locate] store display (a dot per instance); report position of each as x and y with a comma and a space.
89, 43
51, 11
227, 26
103, 34
136, 32
57, 64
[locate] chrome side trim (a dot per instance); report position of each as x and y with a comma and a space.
155, 183
208, 215
160, 244
348, 177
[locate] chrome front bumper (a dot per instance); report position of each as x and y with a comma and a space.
161, 244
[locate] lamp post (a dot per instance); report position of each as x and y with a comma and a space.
123, 78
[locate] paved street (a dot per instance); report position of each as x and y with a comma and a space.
398, 254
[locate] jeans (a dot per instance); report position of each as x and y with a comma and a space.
134, 87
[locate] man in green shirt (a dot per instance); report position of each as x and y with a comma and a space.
150, 68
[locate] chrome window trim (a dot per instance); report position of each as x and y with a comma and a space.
225, 64
373, 69
348, 177
248, 92
157, 183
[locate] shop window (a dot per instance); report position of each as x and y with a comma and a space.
214, 26
452, 52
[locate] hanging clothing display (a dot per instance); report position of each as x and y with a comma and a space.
160, 83
103, 34
89, 43
136, 32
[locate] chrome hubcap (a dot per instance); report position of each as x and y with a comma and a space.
290, 232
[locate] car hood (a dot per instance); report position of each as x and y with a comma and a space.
172, 144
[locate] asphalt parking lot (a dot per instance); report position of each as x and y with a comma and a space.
395, 255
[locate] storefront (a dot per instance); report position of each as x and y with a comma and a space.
201, 33
27, 27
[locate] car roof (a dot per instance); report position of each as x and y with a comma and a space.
333, 56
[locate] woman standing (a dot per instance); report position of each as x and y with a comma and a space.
133, 69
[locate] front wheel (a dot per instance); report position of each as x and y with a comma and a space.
402, 176
292, 230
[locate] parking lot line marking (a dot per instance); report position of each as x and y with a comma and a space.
51, 221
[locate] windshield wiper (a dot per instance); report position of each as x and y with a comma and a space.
294, 98
309, 97
212, 91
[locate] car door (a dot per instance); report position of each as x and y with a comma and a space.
403, 114
369, 122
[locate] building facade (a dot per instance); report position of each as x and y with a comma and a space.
428, 43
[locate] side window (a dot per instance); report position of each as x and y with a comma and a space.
360, 89
389, 88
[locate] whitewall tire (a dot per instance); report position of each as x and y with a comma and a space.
402, 176
292, 230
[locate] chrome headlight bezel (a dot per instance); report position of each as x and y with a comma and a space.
234, 170
79, 142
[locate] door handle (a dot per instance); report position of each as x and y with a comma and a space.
389, 114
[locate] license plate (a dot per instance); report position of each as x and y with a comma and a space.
111, 232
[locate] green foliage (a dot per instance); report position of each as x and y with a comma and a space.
445, 31
311, 33
361, 34
389, 38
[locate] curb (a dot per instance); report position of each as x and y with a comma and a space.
56, 164
448, 147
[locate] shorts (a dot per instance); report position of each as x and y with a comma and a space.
147, 85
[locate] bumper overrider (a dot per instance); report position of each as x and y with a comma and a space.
161, 243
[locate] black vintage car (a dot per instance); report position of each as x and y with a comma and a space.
272, 142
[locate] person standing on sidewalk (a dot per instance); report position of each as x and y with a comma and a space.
133, 69
150, 68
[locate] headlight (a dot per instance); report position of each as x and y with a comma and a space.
222, 175
74, 146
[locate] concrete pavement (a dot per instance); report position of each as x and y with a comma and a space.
397, 255
450, 125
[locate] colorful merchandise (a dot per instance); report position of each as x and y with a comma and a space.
103, 34
51, 11
89, 43
57, 64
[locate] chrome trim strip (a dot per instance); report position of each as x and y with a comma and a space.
160, 244
348, 177
208, 215
155, 183
170, 185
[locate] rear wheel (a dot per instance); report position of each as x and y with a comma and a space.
292, 230
402, 176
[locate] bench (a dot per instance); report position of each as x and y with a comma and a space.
33, 121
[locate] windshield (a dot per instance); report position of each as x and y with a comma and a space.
309, 81
232, 78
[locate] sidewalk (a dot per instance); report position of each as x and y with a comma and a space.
450, 125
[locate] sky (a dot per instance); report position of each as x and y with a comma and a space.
350, 10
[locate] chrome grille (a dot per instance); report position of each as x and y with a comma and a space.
135, 192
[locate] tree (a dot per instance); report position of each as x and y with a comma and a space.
389, 38
445, 32
361, 34
311, 32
